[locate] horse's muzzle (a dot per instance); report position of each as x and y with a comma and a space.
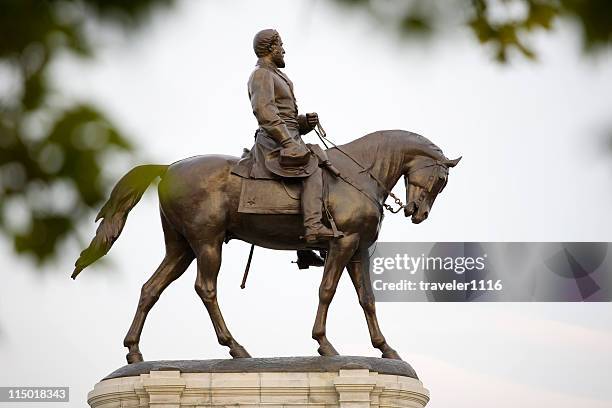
410, 209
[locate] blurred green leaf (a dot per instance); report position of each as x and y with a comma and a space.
541, 15
595, 19
45, 232
501, 34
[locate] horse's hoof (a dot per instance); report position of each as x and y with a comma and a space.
392, 354
134, 357
327, 351
239, 352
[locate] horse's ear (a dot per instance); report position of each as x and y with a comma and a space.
452, 163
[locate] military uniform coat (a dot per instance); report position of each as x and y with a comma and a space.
274, 106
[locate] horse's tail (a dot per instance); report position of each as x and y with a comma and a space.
125, 195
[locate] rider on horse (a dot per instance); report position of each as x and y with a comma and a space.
279, 151
200, 204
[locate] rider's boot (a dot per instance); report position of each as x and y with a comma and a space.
307, 258
312, 207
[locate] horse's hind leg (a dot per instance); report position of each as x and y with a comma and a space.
209, 262
361, 280
340, 251
177, 259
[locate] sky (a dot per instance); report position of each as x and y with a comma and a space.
534, 168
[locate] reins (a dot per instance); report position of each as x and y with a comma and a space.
323, 136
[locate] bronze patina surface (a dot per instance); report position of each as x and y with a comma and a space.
199, 201
270, 365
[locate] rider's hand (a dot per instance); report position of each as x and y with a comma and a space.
312, 119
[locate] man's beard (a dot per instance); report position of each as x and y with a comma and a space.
279, 61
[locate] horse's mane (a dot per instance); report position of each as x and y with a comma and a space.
386, 140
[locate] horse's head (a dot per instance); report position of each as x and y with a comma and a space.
425, 179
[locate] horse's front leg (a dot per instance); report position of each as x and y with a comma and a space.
360, 276
340, 251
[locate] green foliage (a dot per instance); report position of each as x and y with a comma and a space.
44, 146
503, 25
595, 19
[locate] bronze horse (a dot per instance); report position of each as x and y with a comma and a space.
199, 199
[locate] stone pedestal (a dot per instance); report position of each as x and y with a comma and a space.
324, 382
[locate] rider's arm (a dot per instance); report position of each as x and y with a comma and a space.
261, 92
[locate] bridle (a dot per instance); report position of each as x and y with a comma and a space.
430, 183
428, 188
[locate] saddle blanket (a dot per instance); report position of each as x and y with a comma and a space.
259, 196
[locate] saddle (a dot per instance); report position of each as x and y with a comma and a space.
278, 196
259, 196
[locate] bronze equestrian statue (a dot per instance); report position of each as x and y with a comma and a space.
200, 203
